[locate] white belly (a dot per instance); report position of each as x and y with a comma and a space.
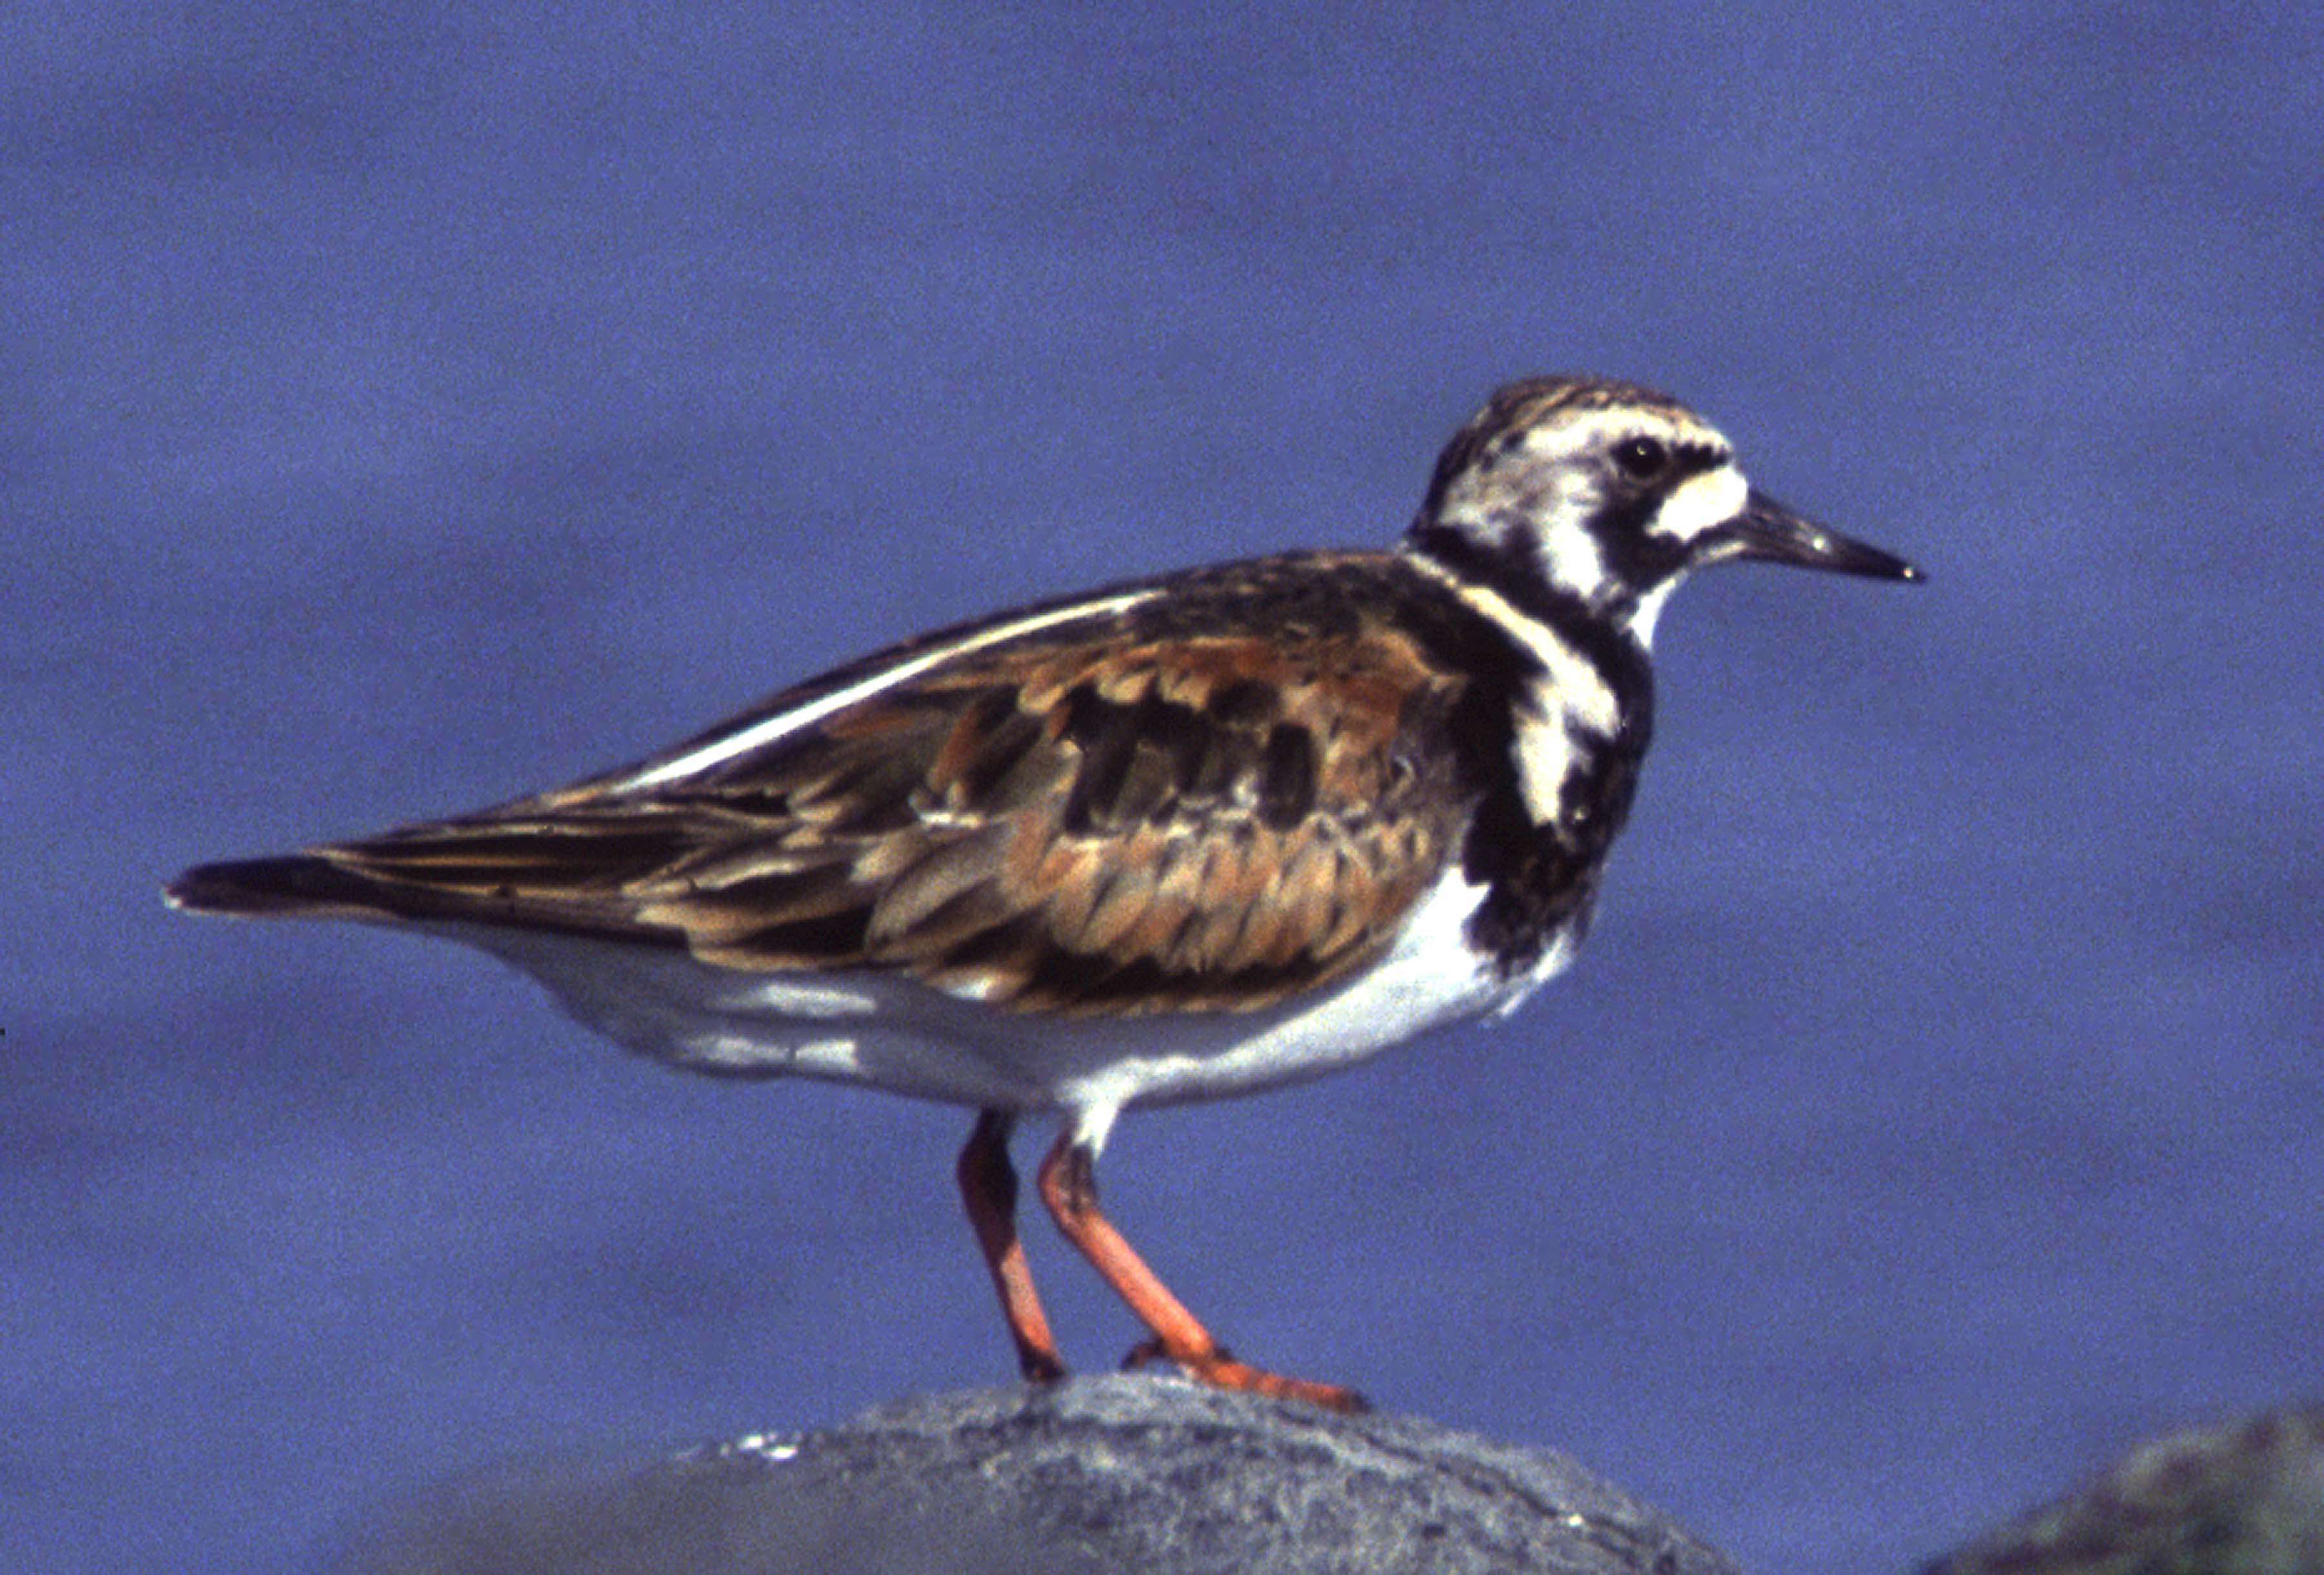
896, 1033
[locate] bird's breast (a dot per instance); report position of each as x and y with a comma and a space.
1540, 837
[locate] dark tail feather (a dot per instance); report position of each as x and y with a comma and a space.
305, 886
295, 883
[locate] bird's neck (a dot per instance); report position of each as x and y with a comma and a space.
1561, 578
1590, 677
1579, 708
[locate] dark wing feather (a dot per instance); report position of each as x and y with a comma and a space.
1156, 819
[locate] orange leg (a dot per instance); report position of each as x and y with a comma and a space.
989, 1187
1068, 1184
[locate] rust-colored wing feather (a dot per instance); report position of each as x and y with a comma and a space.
1151, 820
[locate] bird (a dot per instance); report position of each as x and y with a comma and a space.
1177, 839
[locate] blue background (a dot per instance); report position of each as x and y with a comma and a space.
406, 407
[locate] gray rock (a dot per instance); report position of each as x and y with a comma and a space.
2246, 1498
1100, 1474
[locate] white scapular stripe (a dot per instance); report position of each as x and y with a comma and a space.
781, 725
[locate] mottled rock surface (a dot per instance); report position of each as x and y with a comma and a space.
1100, 1474
2244, 1498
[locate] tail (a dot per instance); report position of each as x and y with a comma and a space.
313, 886
299, 885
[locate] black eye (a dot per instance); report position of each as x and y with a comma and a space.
1641, 457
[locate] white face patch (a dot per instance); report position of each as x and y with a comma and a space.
1701, 502
1559, 477
1572, 557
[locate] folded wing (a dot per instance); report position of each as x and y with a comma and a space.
1051, 824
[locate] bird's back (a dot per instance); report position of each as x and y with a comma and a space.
1210, 793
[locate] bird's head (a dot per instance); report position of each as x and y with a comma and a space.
1608, 495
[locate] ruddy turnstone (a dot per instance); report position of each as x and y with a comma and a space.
1178, 839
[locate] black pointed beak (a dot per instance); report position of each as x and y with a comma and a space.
1766, 529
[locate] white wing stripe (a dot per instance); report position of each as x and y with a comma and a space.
781, 725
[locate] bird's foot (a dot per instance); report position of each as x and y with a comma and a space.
1218, 1368
1040, 1368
